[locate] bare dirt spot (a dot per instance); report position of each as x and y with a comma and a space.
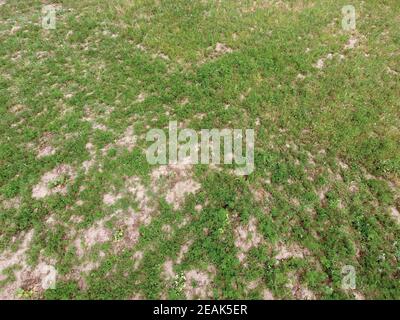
343, 165
133, 187
182, 252
9, 258
300, 77
111, 198
46, 151
395, 214
392, 72
319, 64
184, 101
252, 285
139, 191
221, 48
290, 251
298, 291
358, 295
45, 148
351, 44
260, 195
54, 181
168, 270
137, 258
322, 193
17, 108
133, 223
97, 233
247, 237
32, 280
353, 188
130, 220
13, 203
198, 284
176, 181
167, 229
86, 268
95, 114
88, 164
127, 140
141, 97
177, 194
17, 258
267, 295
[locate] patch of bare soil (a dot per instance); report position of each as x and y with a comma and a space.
219, 50
290, 251
351, 44
130, 220
54, 181
94, 115
97, 233
298, 291
27, 278
177, 194
395, 214
133, 222
45, 148
175, 181
17, 108
358, 295
182, 252
127, 140
168, 272
88, 164
353, 188
137, 258
295, 6
198, 284
111, 198
267, 295
12, 203
247, 237
260, 195
139, 191
9, 258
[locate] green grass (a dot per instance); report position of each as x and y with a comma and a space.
91, 67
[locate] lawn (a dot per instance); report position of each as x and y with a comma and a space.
318, 218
